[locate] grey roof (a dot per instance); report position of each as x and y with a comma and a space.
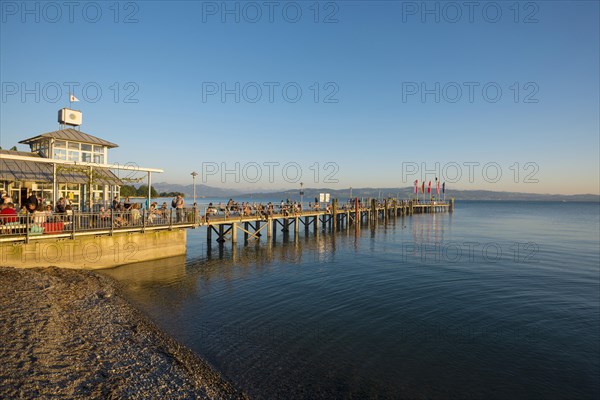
31, 171
20, 153
71, 134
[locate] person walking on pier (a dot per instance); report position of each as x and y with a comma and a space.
178, 205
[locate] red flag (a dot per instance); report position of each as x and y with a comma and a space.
417, 186
438, 187
423, 187
429, 187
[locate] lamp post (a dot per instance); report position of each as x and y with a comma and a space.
301, 193
194, 175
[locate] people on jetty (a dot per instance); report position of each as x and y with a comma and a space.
177, 204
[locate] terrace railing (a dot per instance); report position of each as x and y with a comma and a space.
30, 226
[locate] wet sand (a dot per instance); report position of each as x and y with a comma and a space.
72, 334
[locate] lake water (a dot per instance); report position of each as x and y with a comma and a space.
497, 300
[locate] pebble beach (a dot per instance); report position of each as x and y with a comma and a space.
72, 334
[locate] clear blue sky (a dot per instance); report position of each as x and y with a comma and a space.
371, 61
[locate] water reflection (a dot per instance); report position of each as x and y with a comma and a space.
361, 314
139, 276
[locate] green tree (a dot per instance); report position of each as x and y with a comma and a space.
127, 191
143, 191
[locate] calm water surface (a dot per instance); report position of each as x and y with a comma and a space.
498, 300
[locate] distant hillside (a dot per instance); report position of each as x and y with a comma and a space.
407, 192
201, 190
403, 193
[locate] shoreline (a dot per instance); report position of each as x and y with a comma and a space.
73, 333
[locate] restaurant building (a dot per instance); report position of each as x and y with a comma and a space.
64, 163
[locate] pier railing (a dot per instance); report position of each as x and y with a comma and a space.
42, 224
25, 227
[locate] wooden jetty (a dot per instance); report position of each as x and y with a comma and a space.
94, 241
254, 226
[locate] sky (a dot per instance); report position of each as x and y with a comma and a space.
267, 95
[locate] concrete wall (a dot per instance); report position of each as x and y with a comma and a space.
94, 252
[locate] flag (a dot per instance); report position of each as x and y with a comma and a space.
73, 99
437, 189
417, 186
429, 187
423, 187
444, 187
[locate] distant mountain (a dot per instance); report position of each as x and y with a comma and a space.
201, 190
402, 193
407, 192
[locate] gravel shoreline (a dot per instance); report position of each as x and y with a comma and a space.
72, 334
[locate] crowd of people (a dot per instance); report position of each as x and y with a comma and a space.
125, 213
36, 211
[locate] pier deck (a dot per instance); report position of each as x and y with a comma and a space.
93, 240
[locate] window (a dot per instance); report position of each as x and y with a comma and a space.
60, 144
99, 154
86, 152
73, 155
60, 154
73, 146
99, 158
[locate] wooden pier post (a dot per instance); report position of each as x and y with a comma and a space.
269, 227
234, 232
385, 210
209, 233
286, 225
246, 226
451, 205
334, 214
374, 215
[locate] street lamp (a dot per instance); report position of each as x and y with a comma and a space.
194, 175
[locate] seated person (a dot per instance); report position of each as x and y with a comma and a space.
8, 214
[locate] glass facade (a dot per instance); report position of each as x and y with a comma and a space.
75, 151
79, 194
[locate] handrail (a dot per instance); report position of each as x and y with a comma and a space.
32, 226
